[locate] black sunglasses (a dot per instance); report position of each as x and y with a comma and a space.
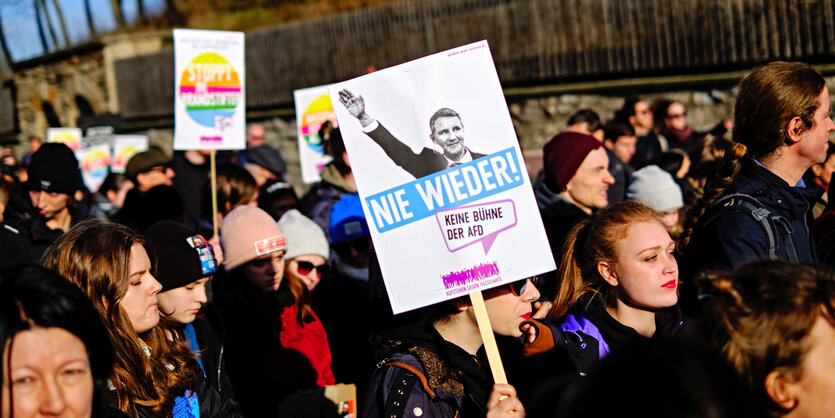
520, 286
305, 267
358, 245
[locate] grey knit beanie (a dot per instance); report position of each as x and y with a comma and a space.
303, 236
655, 188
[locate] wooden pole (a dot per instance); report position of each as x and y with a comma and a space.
488, 338
214, 193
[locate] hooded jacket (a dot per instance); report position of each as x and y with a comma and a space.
450, 382
316, 204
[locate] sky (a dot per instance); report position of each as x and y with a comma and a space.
17, 19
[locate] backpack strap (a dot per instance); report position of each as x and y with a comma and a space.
403, 384
743, 203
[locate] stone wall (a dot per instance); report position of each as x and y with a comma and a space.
57, 84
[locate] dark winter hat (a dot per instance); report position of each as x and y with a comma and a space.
54, 169
183, 256
267, 157
564, 154
145, 161
347, 219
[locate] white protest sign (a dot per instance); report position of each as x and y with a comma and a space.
441, 177
94, 162
313, 108
70, 137
209, 103
124, 147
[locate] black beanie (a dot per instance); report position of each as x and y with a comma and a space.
183, 256
54, 169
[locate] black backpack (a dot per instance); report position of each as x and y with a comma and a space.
768, 221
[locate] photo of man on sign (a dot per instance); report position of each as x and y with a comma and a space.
447, 132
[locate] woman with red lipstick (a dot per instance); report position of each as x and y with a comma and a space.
274, 348
437, 367
154, 373
618, 281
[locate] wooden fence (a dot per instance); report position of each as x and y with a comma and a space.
532, 41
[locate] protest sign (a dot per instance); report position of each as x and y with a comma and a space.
209, 103
124, 147
313, 108
94, 162
449, 213
71, 137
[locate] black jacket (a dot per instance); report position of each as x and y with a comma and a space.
24, 218
210, 334
733, 238
590, 333
459, 382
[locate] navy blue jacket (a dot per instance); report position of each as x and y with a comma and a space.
733, 239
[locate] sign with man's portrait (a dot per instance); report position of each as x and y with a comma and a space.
440, 174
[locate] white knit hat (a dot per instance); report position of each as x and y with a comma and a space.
655, 188
248, 233
304, 237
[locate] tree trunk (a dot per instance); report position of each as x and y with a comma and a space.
4, 46
62, 22
140, 9
88, 12
39, 21
116, 5
49, 25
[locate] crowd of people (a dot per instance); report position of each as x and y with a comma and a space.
694, 279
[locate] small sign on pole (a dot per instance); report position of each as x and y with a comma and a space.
313, 109
210, 100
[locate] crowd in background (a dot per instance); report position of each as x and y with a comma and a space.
694, 279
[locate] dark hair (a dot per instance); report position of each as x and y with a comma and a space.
113, 181
761, 315
659, 112
628, 109
615, 129
235, 187
334, 146
273, 191
671, 161
587, 116
769, 97
32, 296
443, 112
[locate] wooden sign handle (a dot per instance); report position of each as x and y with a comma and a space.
487, 337
213, 168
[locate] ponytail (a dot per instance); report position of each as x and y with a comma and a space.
717, 185
572, 286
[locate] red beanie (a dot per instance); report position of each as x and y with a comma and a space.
563, 154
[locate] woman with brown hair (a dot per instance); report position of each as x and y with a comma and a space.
757, 206
775, 324
154, 372
618, 280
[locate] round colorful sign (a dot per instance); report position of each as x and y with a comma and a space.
210, 89
319, 111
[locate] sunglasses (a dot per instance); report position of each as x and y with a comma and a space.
305, 267
358, 245
520, 286
677, 115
